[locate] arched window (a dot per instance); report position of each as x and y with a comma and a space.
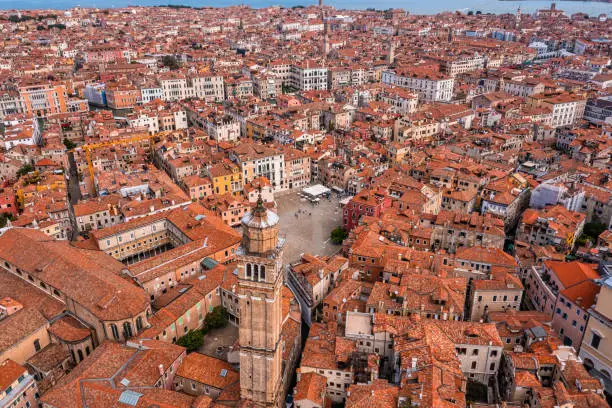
255, 272
127, 330
248, 270
115, 331
139, 324
87, 350
262, 272
80, 353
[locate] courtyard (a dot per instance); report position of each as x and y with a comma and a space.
217, 341
307, 226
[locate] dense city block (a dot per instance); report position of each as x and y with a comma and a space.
305, 207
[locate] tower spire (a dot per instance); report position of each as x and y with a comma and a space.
259, 207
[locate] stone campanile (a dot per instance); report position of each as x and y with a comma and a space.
260, 283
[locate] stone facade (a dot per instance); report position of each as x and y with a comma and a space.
260, 284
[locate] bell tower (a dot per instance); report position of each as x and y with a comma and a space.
391, 51
326, 44
260, 283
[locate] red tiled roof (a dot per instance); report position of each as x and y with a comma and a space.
208, 370
311, 386
10, 371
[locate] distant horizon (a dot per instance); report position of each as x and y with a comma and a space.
417, 7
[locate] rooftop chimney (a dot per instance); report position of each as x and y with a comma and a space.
9, 306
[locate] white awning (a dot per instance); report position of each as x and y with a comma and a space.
316, 190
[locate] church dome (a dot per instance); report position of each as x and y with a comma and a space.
260, 217
260, 230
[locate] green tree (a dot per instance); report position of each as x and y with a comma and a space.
192, 341
16, 19
288, 89
591, 231
217, 318
338, 235
4, 217
171, 62
25, 169
68, 143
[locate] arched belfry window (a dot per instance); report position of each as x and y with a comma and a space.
115, 331
127, 330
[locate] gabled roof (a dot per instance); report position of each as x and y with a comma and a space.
90, 278
571, 273
208, 370
311, 386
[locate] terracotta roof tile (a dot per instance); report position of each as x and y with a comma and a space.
311, 386
208, 370
10, 371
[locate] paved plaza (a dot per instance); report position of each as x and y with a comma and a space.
217, 341
306, 226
